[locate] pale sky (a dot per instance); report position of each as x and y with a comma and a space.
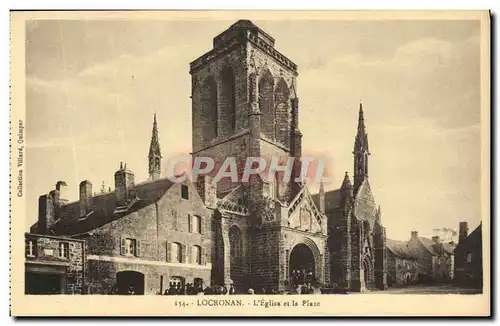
93, 86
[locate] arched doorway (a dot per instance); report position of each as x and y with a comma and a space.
302, 265
130, 281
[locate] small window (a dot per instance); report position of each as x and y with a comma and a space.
30, 248
63, 250
130, 246
196, 255
184, 192
469, 258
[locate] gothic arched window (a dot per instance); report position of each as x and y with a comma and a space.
228, 99
282, 101
266, 104
235, 244
209, 110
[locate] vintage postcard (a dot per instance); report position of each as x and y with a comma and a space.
250, 163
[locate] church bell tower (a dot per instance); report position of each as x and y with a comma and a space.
244, 104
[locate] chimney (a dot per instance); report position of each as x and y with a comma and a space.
124, 186
463, 231
86, 202
62, 188
207, 189
436, 239
414, 234
46, 214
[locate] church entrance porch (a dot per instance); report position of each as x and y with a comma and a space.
302, 265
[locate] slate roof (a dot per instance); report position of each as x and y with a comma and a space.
104, 205
400, 249
433, 247
332, 200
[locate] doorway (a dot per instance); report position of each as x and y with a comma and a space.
130, 282
302, 265
43, 283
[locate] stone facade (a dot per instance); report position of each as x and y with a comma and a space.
54, 265
402, 266
469, 257
435, 258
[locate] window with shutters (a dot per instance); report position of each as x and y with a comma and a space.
31, 248
184, 192
131, 247
196, 224
64, 250
175, 252
196, 255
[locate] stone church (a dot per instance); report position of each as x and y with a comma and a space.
245, 103
259, 234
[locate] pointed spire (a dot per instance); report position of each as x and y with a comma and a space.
321, 187
347, 181
361, 142
154, 153
346, 192
154, 147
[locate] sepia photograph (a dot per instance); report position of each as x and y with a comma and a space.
292, 156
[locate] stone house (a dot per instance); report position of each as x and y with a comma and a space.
402, 266
54, 265
469, 257
435, 258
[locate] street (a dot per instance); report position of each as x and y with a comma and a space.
429, 289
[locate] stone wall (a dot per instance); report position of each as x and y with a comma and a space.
264, 261
425, 260
398, 268
47, 251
